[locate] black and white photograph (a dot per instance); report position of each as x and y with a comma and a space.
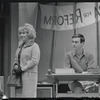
49, 50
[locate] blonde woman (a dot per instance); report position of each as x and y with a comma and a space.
29, 59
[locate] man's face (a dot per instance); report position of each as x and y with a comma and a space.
76, 43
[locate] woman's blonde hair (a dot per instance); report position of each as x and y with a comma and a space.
31, 31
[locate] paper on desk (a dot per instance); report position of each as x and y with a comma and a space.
64, 70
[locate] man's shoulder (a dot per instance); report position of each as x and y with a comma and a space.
88, 53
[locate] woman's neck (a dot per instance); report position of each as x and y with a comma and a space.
29, 41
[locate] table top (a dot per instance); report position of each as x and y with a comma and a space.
75, 76
89, 95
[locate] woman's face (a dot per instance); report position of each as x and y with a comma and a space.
23, 36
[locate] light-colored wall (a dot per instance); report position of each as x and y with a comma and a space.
44, 39
28, 13
90, 33
62, 43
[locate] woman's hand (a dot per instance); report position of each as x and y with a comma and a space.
14, 69
17, 70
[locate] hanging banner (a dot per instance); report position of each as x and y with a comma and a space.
62, 17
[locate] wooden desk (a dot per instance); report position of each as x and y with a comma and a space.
72, 77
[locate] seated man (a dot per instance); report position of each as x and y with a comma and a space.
80, 60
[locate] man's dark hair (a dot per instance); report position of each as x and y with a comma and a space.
82, 38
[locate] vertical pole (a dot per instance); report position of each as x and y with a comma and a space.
74, 14
52, 47
52, 51
97, 28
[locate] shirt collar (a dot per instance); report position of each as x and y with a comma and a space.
83, 54
29, 43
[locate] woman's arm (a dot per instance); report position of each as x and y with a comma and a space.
34, 59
